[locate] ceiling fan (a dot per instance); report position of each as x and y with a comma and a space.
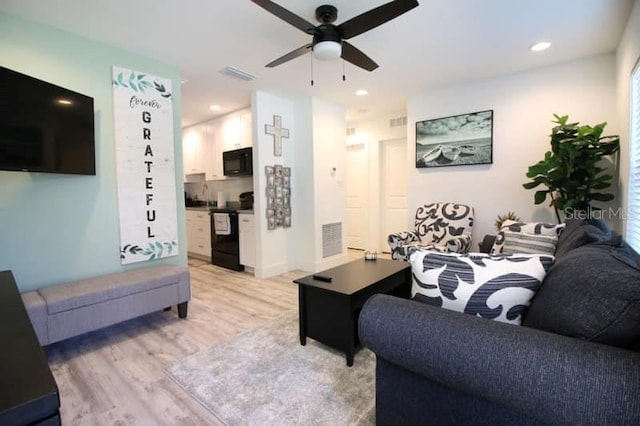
329, 40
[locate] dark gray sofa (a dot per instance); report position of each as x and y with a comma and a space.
575, 360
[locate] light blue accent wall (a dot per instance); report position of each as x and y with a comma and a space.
58, 228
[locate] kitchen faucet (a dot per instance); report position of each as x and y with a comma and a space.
205, 193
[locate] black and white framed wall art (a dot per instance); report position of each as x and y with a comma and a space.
278, 196
457, 140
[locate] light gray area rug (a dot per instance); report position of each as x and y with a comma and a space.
265, 377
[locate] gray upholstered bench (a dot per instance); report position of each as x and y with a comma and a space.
67, 310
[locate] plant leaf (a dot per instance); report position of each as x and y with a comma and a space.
540, 196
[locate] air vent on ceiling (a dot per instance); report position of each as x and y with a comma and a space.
331, 239
398, 122
238, 73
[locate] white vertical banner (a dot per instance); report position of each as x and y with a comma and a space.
143, 120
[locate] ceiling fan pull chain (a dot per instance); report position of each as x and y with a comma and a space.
343, 76
311, 56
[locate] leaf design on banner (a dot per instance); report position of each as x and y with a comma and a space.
144, 84
132, 81
155, 250
137, 82
119, 81
163, 91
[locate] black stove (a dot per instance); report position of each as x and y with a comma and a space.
225, 238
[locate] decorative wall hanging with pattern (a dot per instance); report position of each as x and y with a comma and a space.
145, 169
278, 196
278, 132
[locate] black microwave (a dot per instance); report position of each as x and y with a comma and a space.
238, 162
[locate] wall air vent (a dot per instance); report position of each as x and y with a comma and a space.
238, 73
331, 239
398, 122
351, 131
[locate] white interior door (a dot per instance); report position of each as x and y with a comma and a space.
393, 177
357, 197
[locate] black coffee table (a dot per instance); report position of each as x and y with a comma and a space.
29, 394
329, 310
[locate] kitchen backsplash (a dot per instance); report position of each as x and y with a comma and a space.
208, 191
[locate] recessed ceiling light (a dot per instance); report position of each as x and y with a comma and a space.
362, 92
539, 47
214, 107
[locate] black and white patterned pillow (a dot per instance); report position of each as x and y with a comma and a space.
498, 287
535, 228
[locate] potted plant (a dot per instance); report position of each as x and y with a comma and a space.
502, 218
570, 171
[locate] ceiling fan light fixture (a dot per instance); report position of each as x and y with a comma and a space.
327, 50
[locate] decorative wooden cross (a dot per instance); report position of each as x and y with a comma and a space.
278, 132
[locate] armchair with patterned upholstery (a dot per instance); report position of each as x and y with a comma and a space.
444, 227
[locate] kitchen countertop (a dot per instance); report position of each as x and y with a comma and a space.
206, 209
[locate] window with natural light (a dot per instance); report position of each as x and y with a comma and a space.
633, 222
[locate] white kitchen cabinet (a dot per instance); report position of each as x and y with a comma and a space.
198, 233
236, 130
246, 126
203, 144
194, 140
213, 151
247, 232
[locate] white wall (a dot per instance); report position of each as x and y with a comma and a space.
523, 106
272, 249
316, 144
329, 160
301, 241
369, 133
628, 54
378, 128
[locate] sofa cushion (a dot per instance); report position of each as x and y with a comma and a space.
535, 228
520, 242
592, 292
495, 287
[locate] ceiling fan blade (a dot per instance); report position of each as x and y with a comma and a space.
375, 17
291, 55
287, 16
352, 54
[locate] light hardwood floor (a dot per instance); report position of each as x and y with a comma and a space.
115, 376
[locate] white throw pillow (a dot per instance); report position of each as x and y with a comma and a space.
495, 287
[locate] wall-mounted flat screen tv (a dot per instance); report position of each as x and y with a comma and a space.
44, 127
